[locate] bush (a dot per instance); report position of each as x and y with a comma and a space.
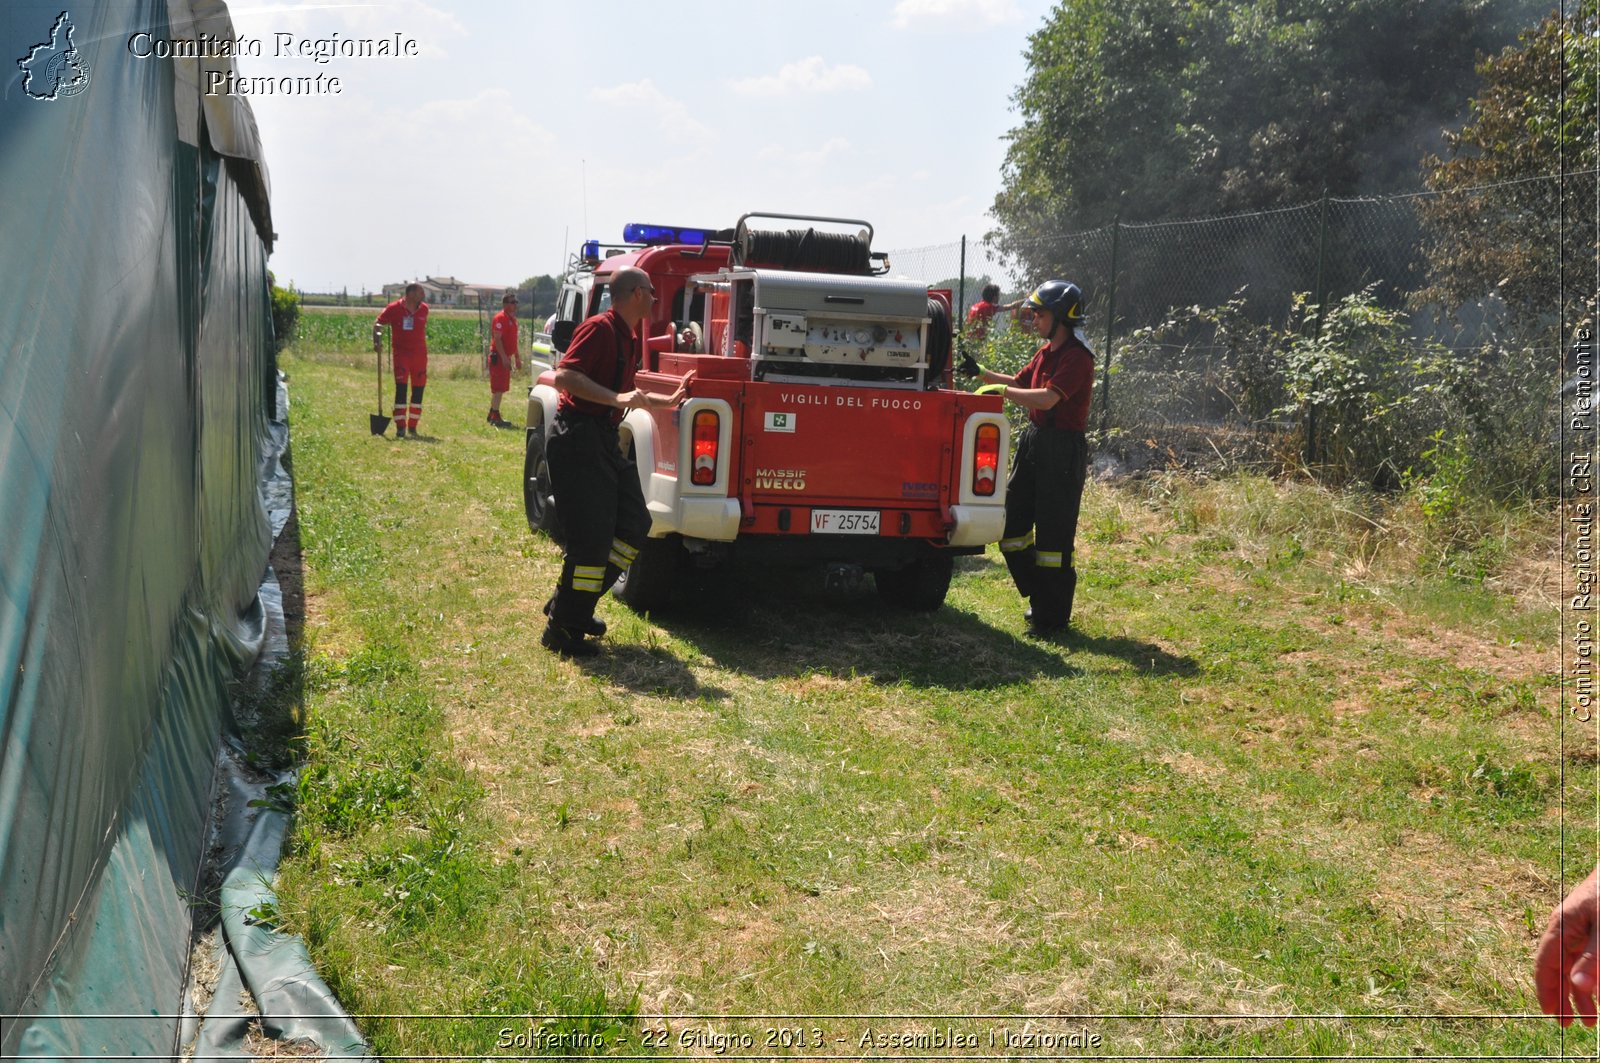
1360, 386
285, 316
1383, 407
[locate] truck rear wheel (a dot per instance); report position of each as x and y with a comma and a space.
650, 582
920, 586
538, 500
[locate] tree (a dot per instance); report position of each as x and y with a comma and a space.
545, 290
541, 295
1146, 109
1502, 223
971, 287
542, 291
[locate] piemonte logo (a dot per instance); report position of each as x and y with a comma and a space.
55, 68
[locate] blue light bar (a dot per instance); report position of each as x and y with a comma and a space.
638, 233
591, 250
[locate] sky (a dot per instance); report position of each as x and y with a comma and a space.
520, 129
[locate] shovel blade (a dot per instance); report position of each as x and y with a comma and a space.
380, 423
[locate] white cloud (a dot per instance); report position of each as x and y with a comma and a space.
786, 153
970, 14
809, 75
491, 124
429, 26
348, 217
669, 116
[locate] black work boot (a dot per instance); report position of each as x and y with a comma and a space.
567, 642
594, 627
1043, 627
1050, 611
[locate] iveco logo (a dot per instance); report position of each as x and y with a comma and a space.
780, 479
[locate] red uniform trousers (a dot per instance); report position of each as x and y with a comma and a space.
409, 369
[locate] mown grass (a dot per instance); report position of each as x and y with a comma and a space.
1293, 763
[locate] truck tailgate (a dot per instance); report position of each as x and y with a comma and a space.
807, 445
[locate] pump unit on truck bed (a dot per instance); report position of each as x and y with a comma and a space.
820, 427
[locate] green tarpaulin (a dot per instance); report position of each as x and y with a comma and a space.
136, 389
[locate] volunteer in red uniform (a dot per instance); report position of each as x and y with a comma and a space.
596, 487
407, 319
1046, 485
983, 312
503, 351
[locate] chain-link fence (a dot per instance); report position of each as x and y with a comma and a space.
1281, 337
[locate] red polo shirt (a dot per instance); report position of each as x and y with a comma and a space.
505, 326
979, 316
598, 344
409, 328
1069, 372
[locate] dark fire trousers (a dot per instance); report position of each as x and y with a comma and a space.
602, 510
1042, 500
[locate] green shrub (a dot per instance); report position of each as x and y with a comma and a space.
1382, 407
1357, 381
285, 316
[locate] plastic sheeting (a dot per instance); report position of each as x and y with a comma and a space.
135, 361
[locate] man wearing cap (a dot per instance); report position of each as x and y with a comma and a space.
596, 485
1045, 489
503, 352
407, 319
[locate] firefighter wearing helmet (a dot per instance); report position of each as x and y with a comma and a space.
1047, 476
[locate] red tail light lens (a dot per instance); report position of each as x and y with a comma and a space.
707, 429
986, 459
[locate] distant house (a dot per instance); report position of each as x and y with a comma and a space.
447, 291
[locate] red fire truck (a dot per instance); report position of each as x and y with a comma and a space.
821, 426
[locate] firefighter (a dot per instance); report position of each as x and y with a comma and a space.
596, 486
1047, 477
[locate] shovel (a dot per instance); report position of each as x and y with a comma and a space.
380, 423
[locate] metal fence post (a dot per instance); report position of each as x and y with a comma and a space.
1321, 296
1111, 315
483, 337
961, 286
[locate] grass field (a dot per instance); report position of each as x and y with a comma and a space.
1291, 789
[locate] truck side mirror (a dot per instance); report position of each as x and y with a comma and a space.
561, 335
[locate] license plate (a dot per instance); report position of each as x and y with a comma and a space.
844, 522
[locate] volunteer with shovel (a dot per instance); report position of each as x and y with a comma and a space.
407, 318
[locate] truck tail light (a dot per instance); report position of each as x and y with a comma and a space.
707, 430
986, 459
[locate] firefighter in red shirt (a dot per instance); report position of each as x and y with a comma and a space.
502, 352
407, 319
1047, 477
597, 487
983, 312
